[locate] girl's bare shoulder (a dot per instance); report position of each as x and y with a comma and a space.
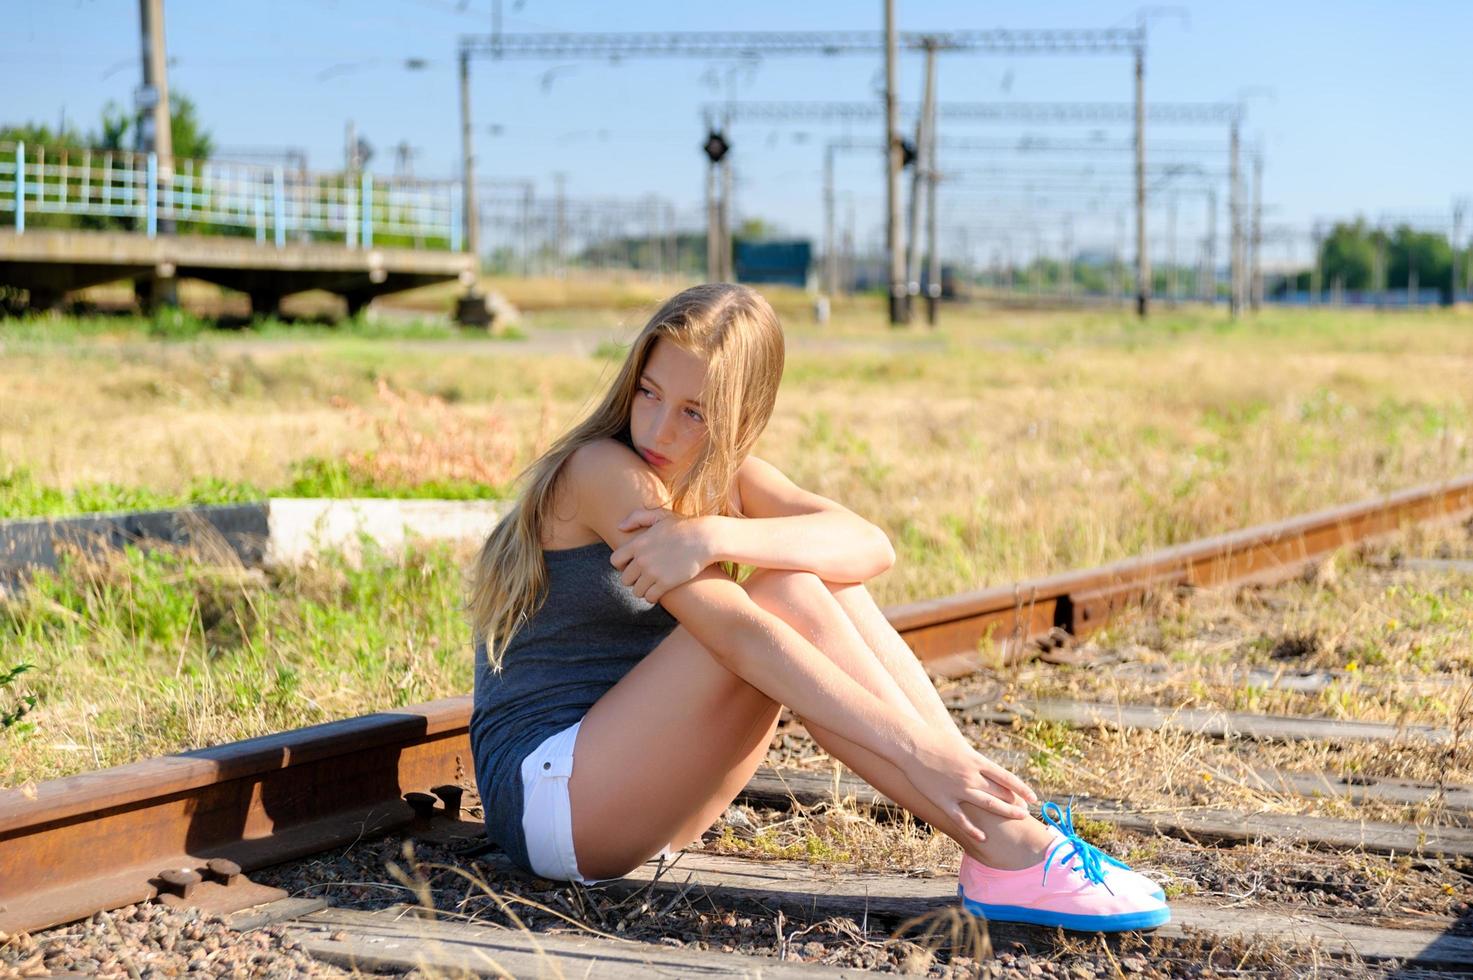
602, 466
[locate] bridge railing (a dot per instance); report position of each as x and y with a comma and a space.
124, 191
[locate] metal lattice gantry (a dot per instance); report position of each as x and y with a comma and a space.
1135, 113
1173, 159
1075, 113
757, 44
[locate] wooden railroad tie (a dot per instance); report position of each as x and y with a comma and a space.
781, 788
400, 937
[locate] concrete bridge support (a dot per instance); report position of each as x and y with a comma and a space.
49, 264
265, 303
158, 290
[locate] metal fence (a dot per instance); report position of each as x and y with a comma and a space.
123, 191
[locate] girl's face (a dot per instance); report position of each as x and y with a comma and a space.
667, 423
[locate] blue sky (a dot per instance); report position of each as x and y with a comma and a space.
1360, 106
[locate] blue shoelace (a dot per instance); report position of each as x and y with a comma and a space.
1090, 857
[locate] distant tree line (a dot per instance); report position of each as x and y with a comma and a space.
117, 131
1355, 256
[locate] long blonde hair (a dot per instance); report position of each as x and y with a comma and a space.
738, 334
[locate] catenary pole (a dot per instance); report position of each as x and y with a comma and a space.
1209, 280
468, 162
1142, 256
830, 246
1235, 230
1255, 291
1172, 260
918, 184
933, 252
156, 136
894, 254
1458, 284
156, 133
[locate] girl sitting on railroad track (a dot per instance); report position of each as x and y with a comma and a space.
610, 630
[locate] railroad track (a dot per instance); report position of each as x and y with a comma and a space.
189, 828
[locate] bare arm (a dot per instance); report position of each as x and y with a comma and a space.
755, 644
789, 527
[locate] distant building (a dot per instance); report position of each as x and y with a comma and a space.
784, 262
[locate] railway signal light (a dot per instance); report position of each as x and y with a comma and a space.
716, 146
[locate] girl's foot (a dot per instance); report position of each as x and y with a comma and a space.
1076, 886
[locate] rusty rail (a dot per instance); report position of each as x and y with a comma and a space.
946, 632
181, 826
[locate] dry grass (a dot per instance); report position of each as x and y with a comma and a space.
1390, 643
1091, 440
1025, 443
420, 438
837, 832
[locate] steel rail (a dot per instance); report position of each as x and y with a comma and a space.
178, 826
939, 630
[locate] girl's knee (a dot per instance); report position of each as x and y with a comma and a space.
783, 584
798, 598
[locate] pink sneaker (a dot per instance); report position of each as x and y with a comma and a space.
1071, 887
1119, 875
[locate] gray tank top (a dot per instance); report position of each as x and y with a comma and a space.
589, 633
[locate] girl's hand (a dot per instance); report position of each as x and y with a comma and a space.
672, 552
951, 772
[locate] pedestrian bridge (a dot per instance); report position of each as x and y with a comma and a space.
82, 218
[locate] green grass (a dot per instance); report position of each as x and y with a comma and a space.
1025, 444
151, 652
181, 325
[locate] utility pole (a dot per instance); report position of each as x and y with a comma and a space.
1317, 271
933, 252
560, 222
1209, 284
1458, 284
895, 255
1066, 264
715, 149
1118, 285
350, 149
527, 193
155, 136
830, 252
1171, 256
1036, 273
1235, 221
848, 271
713, 226
918, 183
1142, 259
1256, 282
728, 273
468, 166
470, 307
1380, 268
154, 131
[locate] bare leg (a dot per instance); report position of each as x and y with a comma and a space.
806, 603
665, 750
893, 653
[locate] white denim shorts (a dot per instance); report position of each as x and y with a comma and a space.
547, 816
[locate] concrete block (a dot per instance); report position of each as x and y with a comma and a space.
240, 529
300, 527
270, 532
